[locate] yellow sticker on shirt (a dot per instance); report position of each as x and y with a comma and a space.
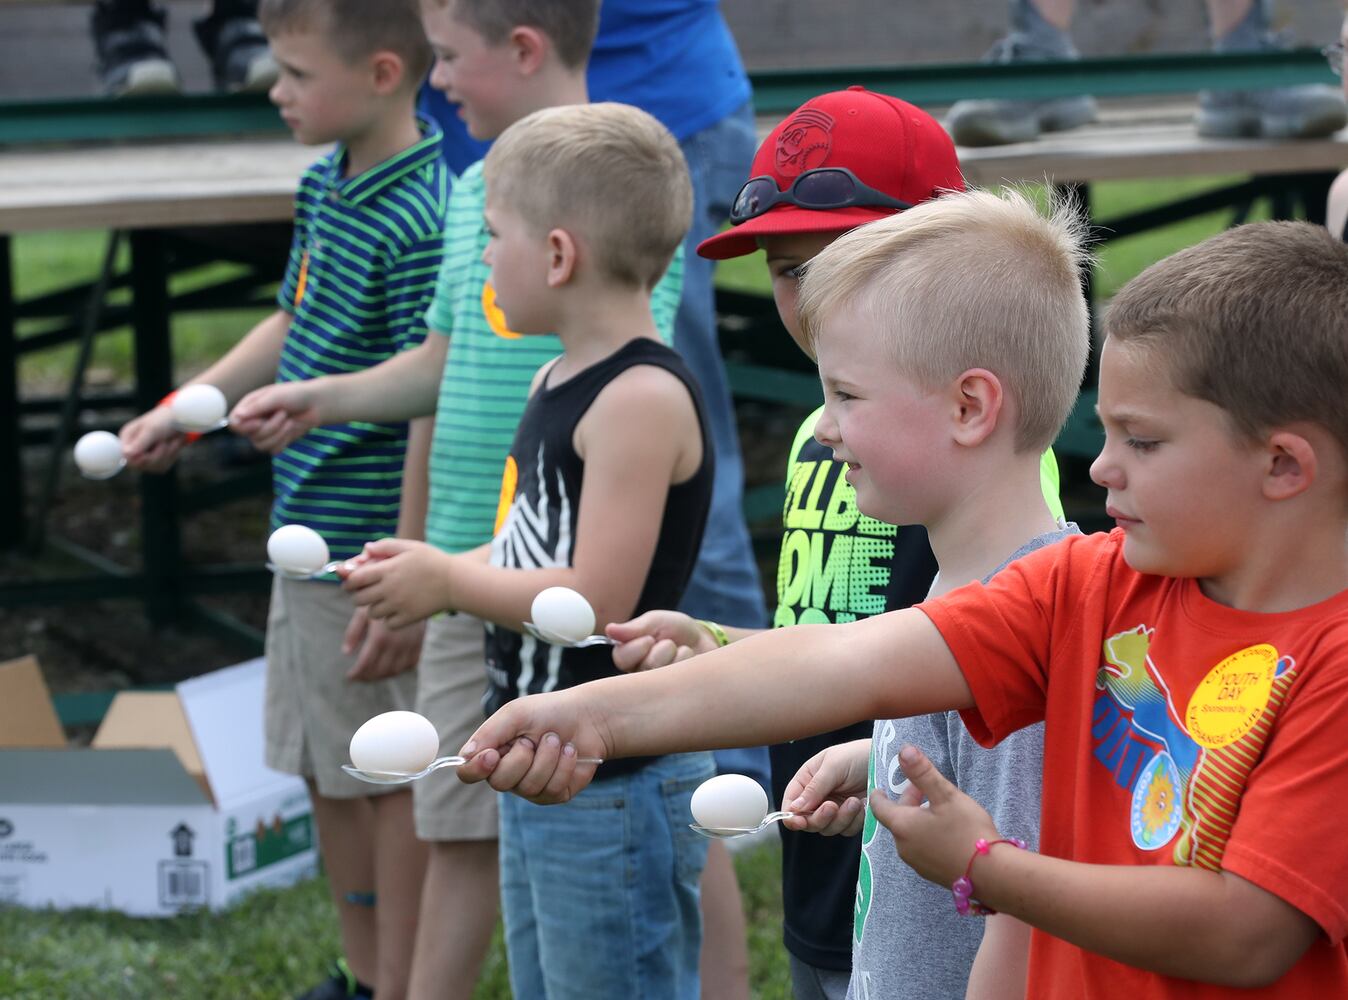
302, 280
509, 479
495, 317
1232, 697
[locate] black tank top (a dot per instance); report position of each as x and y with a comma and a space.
539, 528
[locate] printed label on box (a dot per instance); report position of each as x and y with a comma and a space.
267, 844
183, 883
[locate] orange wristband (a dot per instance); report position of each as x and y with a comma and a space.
168, 400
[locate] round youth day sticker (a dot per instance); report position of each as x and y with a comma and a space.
1231, 698
1155, 814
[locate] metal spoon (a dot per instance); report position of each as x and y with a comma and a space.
403, 777
731, 832
556, 640
325, 570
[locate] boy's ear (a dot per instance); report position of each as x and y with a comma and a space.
387, 72
562, 254
978, 397
530, 47
1292, 465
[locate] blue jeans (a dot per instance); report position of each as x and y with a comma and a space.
600, 895
725, 586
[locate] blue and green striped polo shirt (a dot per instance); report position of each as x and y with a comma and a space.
487, 374
362, 269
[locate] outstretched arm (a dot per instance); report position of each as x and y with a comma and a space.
401, 388
151, 441
781, 685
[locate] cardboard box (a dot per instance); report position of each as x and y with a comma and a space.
171, 808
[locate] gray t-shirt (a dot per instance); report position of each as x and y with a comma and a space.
908, 943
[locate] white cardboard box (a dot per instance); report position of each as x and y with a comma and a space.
126, 824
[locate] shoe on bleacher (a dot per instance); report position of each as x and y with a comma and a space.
997, 122
1306, 112
129, 42
233, 41
340, 985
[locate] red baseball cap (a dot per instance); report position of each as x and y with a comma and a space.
889, 144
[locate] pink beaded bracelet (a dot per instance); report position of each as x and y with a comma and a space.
963, 887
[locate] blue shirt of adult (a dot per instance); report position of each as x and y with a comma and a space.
673, 58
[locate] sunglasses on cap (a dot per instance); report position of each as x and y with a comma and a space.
822, 188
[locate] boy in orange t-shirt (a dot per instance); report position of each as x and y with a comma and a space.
1189, 666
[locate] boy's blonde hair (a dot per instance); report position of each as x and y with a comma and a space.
1254, 320
610, 173
969, 280
569, 24
358, 28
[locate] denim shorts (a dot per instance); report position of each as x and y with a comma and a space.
600, 895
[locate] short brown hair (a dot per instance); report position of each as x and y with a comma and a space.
609, 172
971, 279
569, 24
358, 28
1253, 320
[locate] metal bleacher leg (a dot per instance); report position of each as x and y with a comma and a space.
160, 542
11, 434
70, 406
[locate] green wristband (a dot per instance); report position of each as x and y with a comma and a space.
716, 632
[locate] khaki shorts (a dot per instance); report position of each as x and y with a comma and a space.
312, 710
452, 677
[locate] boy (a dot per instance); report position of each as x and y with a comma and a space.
498, 60
1188, 664
606, 491
368, 236
836, 565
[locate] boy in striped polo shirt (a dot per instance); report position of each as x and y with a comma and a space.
498, 61
369, 231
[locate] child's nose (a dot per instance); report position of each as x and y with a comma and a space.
826, 429
1105, 471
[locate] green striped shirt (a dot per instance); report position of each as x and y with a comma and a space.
487, 375
362, 268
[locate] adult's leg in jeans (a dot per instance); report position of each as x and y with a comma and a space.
458, 909
725, 585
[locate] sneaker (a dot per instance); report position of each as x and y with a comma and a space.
129, 42
340, 985
1306, 112
232, 39
997, 122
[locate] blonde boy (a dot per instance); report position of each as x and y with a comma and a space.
1189, 664
917, 322
951, 340
606, 491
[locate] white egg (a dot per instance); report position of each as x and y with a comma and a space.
296, 548
395, 742
198, 407
98, 454
563, 612
729, 802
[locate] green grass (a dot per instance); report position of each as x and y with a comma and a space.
274, 944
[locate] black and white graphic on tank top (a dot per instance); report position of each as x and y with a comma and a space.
532, 538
